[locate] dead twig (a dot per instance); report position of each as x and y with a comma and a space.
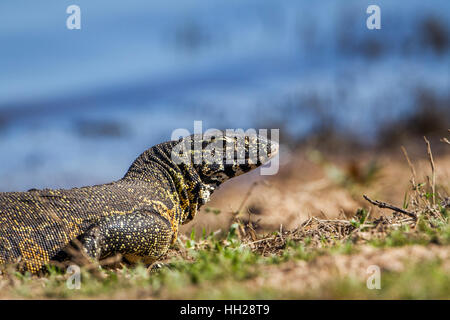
385, 205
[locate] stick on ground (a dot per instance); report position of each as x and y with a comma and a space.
389, 206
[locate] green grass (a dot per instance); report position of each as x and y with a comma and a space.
226, 268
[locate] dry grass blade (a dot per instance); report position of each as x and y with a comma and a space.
247, 195
241, 230
433, 169
385, 205
413, 171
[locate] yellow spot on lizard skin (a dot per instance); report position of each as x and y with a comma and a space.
33, 255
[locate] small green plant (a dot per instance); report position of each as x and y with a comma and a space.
360, 218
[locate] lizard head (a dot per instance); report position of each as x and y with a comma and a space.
217, 157
228, 156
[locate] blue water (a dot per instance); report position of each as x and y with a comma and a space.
146, 68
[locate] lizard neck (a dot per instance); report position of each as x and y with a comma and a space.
187, 184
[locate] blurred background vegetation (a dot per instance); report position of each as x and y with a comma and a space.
77, 106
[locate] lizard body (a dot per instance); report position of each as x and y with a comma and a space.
137, 216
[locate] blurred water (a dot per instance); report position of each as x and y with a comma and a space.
77, 106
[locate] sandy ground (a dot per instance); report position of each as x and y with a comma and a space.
300, 276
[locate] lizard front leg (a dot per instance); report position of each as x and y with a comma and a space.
140, 236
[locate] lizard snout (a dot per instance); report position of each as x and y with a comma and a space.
274, 148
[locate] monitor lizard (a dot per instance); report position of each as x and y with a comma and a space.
137, 216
